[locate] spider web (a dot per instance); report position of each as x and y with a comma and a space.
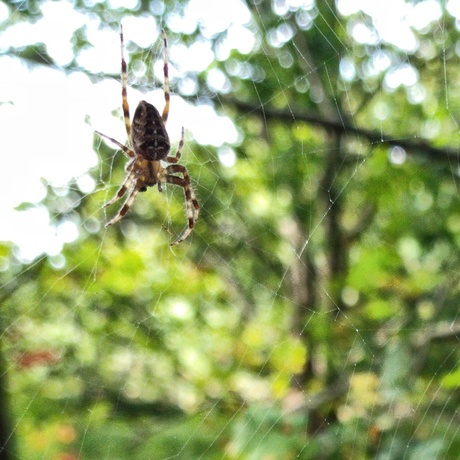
240, 343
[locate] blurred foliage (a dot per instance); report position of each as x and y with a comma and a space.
313, 313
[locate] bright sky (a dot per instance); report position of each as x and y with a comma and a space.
43, 111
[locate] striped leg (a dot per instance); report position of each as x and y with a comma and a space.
176, 157
124, 91
191, 202
165, 114
133, 191
125, 149
127, 184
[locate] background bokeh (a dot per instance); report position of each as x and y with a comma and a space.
313, 312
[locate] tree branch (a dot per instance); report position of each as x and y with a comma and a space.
419, 146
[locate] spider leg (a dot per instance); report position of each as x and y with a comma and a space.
192, 205
165, 114
124, 84
125, 149
127, 183
178, 154
126, 205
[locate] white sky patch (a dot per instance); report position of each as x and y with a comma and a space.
223, 130
241, 38
347, 69
404, 74
45, 127
381, 61
238, 37
363, 33
104, 55
392, 20
46, 30
128, 4
4, 12
283, 7
194, 58
214, 16
227, 156
31, 232
424, 13
141, 30
218, 81
453, 7
347, 7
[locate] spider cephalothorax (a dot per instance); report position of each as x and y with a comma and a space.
150, 145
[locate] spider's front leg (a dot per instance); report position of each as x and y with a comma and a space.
127, 204
125, 149
133, 184
127, 183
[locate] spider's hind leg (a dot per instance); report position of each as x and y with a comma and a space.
191, 203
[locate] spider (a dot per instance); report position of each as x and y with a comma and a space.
149, 145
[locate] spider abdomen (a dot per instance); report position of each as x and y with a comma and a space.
148, 134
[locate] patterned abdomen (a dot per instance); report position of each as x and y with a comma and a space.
148, 134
